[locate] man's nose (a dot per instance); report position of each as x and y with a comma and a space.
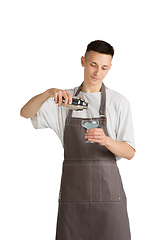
97, 71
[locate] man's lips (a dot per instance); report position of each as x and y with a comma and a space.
94, 78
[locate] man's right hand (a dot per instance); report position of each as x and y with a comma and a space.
57, 94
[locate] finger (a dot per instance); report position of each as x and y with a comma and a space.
94, 132
56, 98
59, 95
93, 140
94, 137
64, 94
69, 97
100, 141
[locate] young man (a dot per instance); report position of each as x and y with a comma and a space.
92, 202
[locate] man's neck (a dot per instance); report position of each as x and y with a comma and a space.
90, 89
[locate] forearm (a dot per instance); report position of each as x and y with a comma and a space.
34, 104
31, 108
121, 149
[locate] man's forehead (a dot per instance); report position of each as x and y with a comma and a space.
99, 58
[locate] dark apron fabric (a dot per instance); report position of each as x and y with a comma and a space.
92, 202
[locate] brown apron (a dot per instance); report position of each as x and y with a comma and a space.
92, 203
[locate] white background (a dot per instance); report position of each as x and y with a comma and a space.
41, 44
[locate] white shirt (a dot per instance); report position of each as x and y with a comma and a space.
118, 113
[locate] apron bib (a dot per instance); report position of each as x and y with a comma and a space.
92, 202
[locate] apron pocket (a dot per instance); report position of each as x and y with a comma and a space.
75, 183
110, 182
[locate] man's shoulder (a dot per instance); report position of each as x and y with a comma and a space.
117, 98
72, 91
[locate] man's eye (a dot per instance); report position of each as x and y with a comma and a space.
93, 65
105, 68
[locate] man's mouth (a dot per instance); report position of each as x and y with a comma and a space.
95, 78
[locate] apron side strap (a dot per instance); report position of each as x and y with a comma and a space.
70, 113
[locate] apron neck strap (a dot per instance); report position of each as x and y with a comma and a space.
102, 109
79, 89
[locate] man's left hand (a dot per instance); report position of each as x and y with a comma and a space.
96, 135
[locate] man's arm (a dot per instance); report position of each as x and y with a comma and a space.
120, 149
31, 108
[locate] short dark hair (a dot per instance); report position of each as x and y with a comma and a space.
100, 47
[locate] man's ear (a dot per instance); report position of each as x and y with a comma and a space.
82, 61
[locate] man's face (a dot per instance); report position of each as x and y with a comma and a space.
96, 67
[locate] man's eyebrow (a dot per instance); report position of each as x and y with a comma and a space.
106, 66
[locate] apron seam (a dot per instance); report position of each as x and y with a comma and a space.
100, 182
90, 182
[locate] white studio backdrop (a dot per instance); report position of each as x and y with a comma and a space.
41, 44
